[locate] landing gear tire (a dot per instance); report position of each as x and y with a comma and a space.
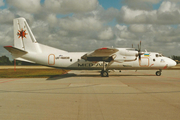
104, 74
158, 73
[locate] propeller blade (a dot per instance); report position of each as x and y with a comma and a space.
139, 56
139, 50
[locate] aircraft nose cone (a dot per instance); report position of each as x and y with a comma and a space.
171, 63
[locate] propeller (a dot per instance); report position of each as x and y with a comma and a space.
139, 51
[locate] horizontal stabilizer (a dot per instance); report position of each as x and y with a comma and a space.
14, 50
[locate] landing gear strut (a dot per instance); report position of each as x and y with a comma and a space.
104, 72
158, 73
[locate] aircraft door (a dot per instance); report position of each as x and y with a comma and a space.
51, 59
144, 62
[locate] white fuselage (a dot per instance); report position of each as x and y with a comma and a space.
125, 59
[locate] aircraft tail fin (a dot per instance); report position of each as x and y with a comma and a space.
23, 36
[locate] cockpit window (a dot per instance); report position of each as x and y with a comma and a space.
158, 55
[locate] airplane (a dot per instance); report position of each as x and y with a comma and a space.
26, 48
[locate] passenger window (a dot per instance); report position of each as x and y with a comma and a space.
156, 55
154, 59
70, 60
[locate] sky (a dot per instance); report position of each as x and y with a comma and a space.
86, 25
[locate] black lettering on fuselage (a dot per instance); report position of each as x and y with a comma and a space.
90, 65
85, 64
100, 64
80, 65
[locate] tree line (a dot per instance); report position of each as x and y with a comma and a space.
176, 58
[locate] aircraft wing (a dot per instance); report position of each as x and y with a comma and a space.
102, 54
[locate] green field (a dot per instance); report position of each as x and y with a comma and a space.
31, 73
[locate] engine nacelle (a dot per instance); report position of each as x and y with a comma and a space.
128, 52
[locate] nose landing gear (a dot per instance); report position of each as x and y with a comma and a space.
104, 72
158, 73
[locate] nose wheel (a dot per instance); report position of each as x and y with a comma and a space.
158, 73
104, 72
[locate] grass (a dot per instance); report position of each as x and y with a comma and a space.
31, 73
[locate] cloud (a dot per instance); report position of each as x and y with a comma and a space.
106, 34
6, 34
80, 24
70, 6
1, 3
140, 4
105, 15
88, 28
129, 16
6, 16
168, 6
137, 28
167, 14
30, 6
176, 1
122, 33
52, 20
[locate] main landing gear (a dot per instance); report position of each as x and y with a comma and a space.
104, 72
158, 73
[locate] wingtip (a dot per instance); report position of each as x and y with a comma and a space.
103, 48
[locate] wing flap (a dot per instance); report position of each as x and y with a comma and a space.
102, 54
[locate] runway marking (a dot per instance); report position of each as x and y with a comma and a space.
10, 80
174, 78
101, 84
148, 83
169, 77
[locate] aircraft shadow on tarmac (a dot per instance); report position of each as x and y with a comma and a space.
69, 75
61, 76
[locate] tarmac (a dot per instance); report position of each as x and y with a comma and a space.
84, 95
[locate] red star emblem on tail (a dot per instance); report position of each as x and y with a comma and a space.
22, 33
